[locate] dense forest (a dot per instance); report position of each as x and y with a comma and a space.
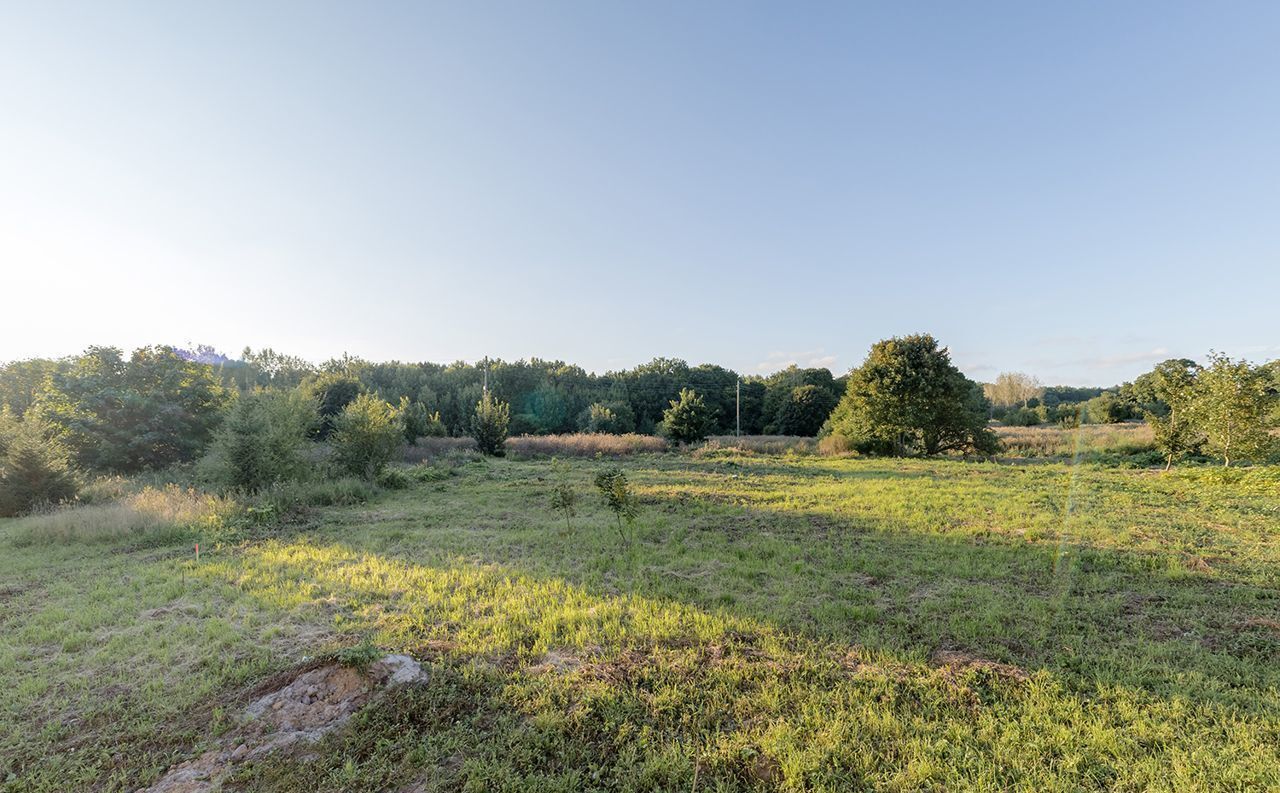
545, 396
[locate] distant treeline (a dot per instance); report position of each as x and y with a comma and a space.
162, 405
545, 396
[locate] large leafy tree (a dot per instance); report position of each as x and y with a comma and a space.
1013, 389
716, 385
1168, 395
779, 393
332, 391
1233, 403
750, 395
805, 411
650, 386
22, 381
908, 398
155, 409
1271, 372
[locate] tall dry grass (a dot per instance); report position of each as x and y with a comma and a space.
585, 444
1087, 439
153, 514
431, 448
759, 444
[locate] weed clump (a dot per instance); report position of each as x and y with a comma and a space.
394, 479
358, 656
564, 499
616, 494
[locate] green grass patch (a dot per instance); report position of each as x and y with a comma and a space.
797, 623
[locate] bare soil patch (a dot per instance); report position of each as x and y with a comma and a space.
300, 710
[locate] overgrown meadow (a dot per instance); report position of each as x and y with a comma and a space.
771, 622
326, 586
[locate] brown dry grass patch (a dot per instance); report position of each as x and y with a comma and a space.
585, 444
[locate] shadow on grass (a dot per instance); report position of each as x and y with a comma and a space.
794, 641
1165, 623
755, 645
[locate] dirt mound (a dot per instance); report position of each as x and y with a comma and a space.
1261, 622
310, 705
958, 660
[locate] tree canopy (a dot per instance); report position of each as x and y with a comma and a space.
907, 398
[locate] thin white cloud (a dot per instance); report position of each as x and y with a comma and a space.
1159, 353
781, 360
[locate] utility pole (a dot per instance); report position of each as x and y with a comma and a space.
486, 375
737, 408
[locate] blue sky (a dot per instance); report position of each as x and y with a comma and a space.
1073, 190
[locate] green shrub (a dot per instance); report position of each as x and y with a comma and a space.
1106, 408
615, 493
262, 441
1068, 415
1021, 417
332, 393
489, 425
430, 473
805, 410
341, 492
359, 656
366, 436
614, 418
394, 479
418, 422
688, 420
34, 470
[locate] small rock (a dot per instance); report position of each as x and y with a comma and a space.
277, 705
240, 752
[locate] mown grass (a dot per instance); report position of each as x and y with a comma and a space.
778, 623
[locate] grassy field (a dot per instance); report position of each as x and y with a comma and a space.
789, 623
